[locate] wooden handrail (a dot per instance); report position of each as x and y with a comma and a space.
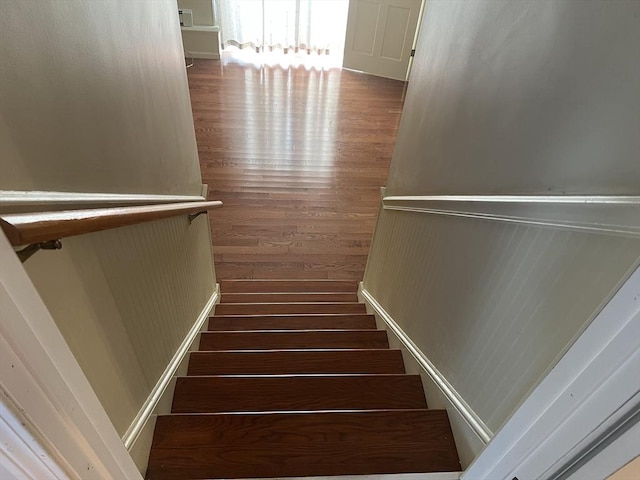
29, 228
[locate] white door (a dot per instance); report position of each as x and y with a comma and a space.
380, 35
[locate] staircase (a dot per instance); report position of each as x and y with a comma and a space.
293, 379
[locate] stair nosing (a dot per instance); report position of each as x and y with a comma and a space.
329, 350
304, 375
288, 330
292, 303
293, 315
301, 412
288, 280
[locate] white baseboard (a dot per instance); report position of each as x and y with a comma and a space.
205, 55
163, 389
385, 476
470, 432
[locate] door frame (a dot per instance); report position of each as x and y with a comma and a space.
415, 38
43, 381
588, 400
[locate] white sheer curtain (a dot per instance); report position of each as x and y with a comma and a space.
291, 25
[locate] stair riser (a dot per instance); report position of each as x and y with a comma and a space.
287, 308
297, 393
284, 322
293, 340
287, 297
286, 286
296, 362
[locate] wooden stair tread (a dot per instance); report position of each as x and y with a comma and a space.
292, 322
287, 297
199, 446
288, 308
210, 394
295, 361
293, 380
287, 286
282, 340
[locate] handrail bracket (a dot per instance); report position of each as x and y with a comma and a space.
29, 250
193, 216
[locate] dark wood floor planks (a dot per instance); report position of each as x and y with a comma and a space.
298, 157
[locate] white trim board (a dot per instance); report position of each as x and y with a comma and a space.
22, 453
474, 421
10, 198
385, 476
613, 215
438, 391
43, 379
554, 199
202, 55
143, 416
201, 28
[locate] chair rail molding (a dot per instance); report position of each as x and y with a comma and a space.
613, 215
14, 198
43, 379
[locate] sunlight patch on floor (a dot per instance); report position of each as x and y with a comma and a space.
309, 61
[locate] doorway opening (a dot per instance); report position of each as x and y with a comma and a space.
302, 32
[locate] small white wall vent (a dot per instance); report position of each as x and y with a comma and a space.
186, 17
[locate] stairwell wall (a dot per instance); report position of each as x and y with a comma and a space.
530, 100
94, 99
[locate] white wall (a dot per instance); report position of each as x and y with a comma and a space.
512, 98
203, 39
203, 13
96, 100
522, 97
93, 97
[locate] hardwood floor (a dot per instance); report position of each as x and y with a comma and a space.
298, 157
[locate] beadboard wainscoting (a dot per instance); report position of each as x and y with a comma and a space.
124, 300
137, 439
487, 293
470, 433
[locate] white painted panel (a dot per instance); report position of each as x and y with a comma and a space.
200, 43
22, 451
364, 28
395, 32
124, 299
491, 304
380, 36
